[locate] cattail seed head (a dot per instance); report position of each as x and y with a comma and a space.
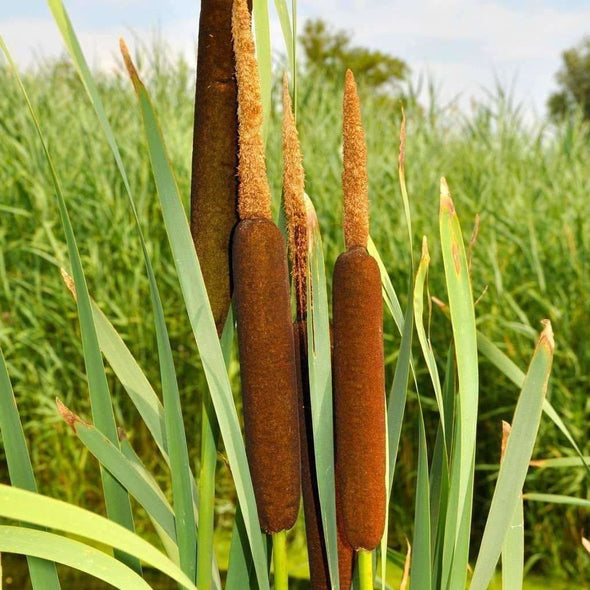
355, 183
214, 184
359, 397
294, 200
268, 370
254, 197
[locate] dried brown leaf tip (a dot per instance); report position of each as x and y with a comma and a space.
68, 416
69, 281
253, 193
131, 69
293, 195
506, 428
355, 182
547, 335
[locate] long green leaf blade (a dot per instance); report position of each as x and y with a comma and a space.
264, 58
320, 386
513, 469
557, 499
129, 373
54, 514
421, 567
72, 553
513, 551
43, 573
516, 375
464, 334
112, 459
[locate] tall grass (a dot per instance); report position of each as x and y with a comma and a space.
529, 186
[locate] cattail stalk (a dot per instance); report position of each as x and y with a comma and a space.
265, 331
299, 222
359, 381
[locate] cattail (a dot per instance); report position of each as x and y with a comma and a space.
359, 381
214, 182
262, 298
300, 220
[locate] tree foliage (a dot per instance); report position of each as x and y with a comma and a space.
333, 52
574, 81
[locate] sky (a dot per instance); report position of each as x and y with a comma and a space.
463, 46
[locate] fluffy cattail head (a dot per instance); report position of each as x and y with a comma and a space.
294, 199
253, 194
355, 183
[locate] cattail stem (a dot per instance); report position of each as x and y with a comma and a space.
279, 558
365, 565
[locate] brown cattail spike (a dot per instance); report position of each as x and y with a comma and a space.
359, 397
214, 184
293, 196
355, 183
254, 197
268, 370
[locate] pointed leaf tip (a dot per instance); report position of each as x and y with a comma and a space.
445, 196
547, 335
425, 253
131, 69
68, 416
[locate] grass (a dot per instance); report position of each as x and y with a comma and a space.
530, 189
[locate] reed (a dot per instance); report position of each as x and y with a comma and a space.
299, 221
262, 298
359, 387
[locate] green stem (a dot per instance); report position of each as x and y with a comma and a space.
209, 438
279, 557
365, 564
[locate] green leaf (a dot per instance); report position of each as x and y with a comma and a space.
516, 375
112, 459
320, 387
557, 499
285, 20
54, 514
560, 462
420, 571
513, 551
209, 442
116, 499
464, 335
425, 345
132, 378
72, 553
264, 58
43, 573
169, 544
513, 469
202, 323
